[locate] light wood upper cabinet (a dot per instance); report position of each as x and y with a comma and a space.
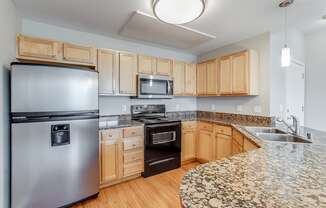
240, 73
178, 77
107, 66
164, 67
147, 64
212, 77
190, 79
223, 146
205, 145
79, 54
201, 79
127, 72
225, 76
37, 48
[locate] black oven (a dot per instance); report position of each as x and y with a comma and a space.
162, 147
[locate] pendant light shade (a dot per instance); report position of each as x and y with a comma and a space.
286, 51
286, 56
178, 12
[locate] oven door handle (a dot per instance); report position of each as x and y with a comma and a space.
162, 125
161, 161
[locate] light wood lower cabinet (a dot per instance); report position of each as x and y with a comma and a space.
188, 141
111, 156
248, 145
205, 146
223, 146
121, 154
236, 148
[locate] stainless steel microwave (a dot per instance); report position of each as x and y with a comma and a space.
154, 86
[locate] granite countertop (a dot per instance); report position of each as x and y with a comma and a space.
113, 124
275, 175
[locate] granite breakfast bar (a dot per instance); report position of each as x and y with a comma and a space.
278, 174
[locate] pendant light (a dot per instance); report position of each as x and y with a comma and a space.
286, 51
178, 12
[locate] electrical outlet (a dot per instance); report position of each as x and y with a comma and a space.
239, 108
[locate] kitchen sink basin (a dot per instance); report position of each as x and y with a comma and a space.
282, 138
270, 130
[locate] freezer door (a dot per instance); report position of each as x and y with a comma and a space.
41, 88
54, 163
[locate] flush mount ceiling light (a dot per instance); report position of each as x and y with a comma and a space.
178, 12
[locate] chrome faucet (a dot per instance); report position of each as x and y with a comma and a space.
295, 124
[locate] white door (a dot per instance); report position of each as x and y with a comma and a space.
295, 90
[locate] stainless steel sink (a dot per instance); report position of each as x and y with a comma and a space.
270, 130
282, 138
275, 134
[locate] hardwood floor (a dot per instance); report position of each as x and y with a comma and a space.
160, 191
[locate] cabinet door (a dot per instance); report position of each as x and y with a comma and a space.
128, 72
164, 67
146, 64
37, 48
190, 79
225, 76
111, 160
178, 78
223, 146
79, 54
212, 75
188, 147
248, 145
240, 73
236, 148
107, 64
204, 146
201, 79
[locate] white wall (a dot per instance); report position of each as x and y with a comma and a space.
261, 44
277, 73
315, 101
114, 105
10, 25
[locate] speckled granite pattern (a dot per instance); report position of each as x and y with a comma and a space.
275, 175
248, 120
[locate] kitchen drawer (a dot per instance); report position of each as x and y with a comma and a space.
238, 137
133, 168
205, 126
226, 130
189, 126
133, 143
133, 131
133, 156
111, 134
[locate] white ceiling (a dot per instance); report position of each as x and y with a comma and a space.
228, 20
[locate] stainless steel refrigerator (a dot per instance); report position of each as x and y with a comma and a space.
54, 135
